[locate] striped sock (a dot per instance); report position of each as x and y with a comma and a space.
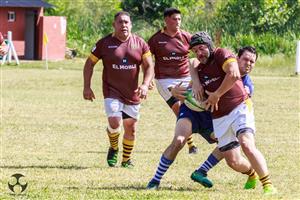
208, 164
190, 142
127, 149
113, 139
265, 181
251, 173
162, 168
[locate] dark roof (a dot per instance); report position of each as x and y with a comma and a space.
25, 3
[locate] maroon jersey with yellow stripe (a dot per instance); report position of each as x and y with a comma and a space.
171, 54
121, 61
211, 77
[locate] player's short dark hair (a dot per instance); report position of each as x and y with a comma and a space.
251, 49
170, 11
121, 13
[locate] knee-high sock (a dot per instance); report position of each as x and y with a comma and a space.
251, 173
190, 142
162, 168
127, 149
208, 164
265, 181
113, 139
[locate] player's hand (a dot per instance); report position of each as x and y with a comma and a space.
88, 94
142, 91
178, 92
151, 86
212, 101
3, 50
247, 89
198, 91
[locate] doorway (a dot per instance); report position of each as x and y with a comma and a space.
30, 35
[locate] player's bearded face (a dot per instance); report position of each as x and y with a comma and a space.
202, 53
246, 62
122, 26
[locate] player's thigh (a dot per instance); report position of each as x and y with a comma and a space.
183, 129
228, 141
245, 121
131, 111
113, 107
113, 110
247, 141
175, 107
130, 117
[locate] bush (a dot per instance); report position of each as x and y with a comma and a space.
268, 43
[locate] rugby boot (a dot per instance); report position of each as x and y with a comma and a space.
201, 178
112, 157
193, 150
127, 164
153, 185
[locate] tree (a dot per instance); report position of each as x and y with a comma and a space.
256, 16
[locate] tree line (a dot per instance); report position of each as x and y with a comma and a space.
272, 26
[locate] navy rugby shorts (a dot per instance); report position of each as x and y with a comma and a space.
201, 122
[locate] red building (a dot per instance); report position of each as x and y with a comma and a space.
26, 20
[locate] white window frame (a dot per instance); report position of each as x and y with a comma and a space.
11, 16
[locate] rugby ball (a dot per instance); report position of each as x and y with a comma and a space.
191, 102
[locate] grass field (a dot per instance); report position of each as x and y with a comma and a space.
58, 140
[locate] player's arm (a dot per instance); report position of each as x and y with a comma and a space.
196, 85
152, 85
152, 51
88, 70
148, 70
232, 71
3, 46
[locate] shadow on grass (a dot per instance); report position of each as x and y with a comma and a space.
134, 187
43, 167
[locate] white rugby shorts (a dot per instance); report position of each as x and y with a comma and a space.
114, 108
162, 85
226, 127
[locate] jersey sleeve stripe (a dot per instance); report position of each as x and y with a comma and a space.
230, 60
93, 58
147, 54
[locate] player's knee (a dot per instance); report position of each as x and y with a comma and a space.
130, 127
114, 126
248, 147
114, 123
116, 129
178, 143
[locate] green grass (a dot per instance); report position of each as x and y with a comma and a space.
58, 140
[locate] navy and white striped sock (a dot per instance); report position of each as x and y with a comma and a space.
162, 168
208, 164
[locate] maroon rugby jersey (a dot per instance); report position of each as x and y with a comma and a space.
171, 54
121, 61
211, 76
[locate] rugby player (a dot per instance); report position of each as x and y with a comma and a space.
122, 54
